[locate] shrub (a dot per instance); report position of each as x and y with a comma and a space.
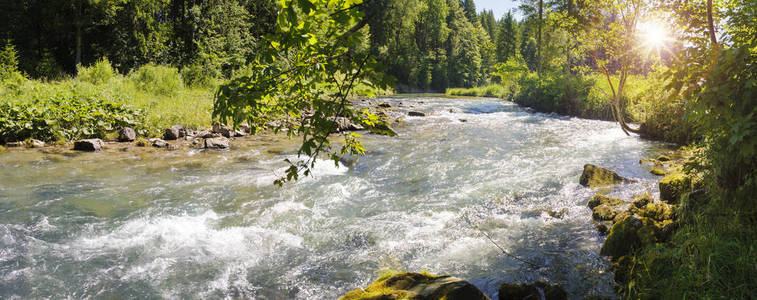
47, 67
200, 76
162, 80
98, 73
10, 77
66, 116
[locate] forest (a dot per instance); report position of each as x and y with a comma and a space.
678, 72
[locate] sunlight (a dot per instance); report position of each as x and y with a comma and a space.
653, 34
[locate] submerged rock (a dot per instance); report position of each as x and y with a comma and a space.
36, 144
594, 176
417, 286
89, 145
384, 105
531, 291
126, 134
673, 186
658, 171
158, 143
217, 143
416, 114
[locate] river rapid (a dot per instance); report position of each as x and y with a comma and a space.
206, 224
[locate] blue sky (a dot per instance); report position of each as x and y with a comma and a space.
500, 7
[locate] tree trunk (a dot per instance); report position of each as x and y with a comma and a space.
538, 40
710, 25
78, 24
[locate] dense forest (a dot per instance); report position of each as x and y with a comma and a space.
683, 72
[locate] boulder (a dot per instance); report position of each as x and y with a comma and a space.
658, 171
673, 186
603, 213
14, 144
642, 200
384, 105
245, 128
557, 214
602, 228
345, 124
663, 157
632, 233
174, 133
416, 114
158, 143
600, 199
222, 130
531, 291
659, 211
89, 145
217, 143
417, 286
36, 144
594, 176
126, 134
203, 134
382, 129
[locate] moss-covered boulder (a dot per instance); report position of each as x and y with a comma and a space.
663, 157
658, 211
600, 199
658, 171
603, 213
416, 286
631, 233
673, 186
531, 291
594, 176
620, 215
622, 238
642, 200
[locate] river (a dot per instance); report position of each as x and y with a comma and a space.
207, 224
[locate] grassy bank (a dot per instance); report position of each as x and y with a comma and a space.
99, 100
492, 90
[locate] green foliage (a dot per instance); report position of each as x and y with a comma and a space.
99, 73
66, 116
200, 76
158, 79
492, 90
47, 67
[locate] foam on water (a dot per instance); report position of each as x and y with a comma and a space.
211, 224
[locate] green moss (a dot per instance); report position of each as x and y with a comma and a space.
658, 171
594, 176
658, 211
600, 199
603, 213
622, 238
621, 215
400, 285
673, 186
642, 200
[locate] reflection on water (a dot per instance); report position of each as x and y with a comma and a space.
195, 224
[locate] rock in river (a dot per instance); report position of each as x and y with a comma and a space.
531, 291
126, 134
416, 114
217, 143
594, 176
417, 286
90, 145
158, 143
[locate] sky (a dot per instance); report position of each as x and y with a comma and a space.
500, 7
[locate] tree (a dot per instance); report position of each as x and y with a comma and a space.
506, 37
318, 43
535, 9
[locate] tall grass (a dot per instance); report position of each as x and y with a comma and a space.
492, 90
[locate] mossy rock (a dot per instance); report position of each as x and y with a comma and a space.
619, 216
622, 238
663, 157
632, 233
603, 213
416, 286
658, 171
600, 199
594, 176
531, 291
658, 211
602, 228
673, 186
642, 200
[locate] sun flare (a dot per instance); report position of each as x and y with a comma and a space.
653, 34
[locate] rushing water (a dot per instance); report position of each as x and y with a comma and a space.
194, 224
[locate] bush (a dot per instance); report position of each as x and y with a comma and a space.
161, 80
492, 90
10, 77
560, 93
47, 67
200, 76
98, 73
66, 116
